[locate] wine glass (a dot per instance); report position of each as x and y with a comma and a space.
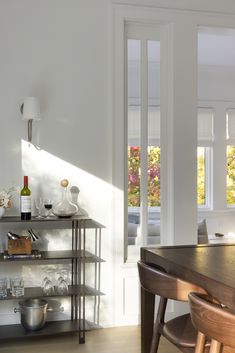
39, 207
62, 286
48, 288
47, 282
48, 207
62, 281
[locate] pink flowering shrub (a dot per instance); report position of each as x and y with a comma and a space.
134, 176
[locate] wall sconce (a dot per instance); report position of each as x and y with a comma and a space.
30, 110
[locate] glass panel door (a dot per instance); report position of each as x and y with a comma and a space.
143, 141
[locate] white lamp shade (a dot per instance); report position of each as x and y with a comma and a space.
31, 109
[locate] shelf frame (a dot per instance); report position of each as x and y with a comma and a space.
78, 256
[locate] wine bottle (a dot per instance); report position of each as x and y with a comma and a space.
25, 201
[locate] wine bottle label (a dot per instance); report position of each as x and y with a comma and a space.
25, 204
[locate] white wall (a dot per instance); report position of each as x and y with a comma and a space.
59, 51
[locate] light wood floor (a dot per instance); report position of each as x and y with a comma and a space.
111, 340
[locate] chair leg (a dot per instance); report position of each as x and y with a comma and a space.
159, 322
200, 344
156, 337
215, 346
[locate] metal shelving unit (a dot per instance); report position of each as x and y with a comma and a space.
78, 256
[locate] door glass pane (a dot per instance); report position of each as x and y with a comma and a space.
143, 120
201, 176
230, 192
133, 123
153, 227
133, 176
230, 179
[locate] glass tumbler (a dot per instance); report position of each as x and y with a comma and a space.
3, 287
17, 286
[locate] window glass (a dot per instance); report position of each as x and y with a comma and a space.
205, 137
230, 123
133, 176
143, 122
133, 138
201, 176
154, 176
230, 192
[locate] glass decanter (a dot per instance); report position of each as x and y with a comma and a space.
65, 208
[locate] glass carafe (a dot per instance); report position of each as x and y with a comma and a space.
65, 208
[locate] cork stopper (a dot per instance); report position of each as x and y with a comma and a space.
64, 183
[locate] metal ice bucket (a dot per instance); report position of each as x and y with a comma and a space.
33, 313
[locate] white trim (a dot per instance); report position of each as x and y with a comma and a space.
163, 10
119, 206
212, 68
214, 213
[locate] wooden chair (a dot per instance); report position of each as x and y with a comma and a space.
214, 321
179, 330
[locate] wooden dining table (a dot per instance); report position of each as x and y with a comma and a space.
209, 266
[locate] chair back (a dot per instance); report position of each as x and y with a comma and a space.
212, 320
158, 282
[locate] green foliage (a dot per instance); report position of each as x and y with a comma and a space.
230, 175
201, 181
134, 176
154, 176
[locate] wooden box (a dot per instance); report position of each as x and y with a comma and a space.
19, 246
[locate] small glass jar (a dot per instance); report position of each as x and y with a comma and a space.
65, 208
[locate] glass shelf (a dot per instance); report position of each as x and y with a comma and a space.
89, 223
59, 255
33, 292
50, 328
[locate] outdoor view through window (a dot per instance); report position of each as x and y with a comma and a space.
154, 175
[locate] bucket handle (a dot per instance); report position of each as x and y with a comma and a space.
61, 310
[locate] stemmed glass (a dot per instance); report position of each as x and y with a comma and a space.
48, 207
39, 207
62, 286
62, 281
48, 288
47, 282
